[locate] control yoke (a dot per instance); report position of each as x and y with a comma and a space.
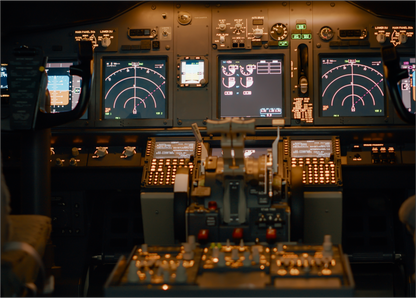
393, 74
83, 70
30, 99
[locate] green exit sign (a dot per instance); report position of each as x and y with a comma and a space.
296, 36
300, 26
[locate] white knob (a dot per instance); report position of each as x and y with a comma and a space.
256, 255
222, 39
234, 254
402, 38
191, 241
189, 254
132, 274
238, 26
247, 261
129, 151
105, 42
381, 37
101, 151
181, 275
75, 151
215, 252
222, 27
148, 275
144, 247
258, 32
166, 276
221, 259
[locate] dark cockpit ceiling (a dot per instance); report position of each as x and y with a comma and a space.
45, 15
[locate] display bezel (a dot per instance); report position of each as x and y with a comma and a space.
347, 120
179, 72
140, 122
260, 121
406, 57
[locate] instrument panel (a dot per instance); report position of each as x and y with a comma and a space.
178, 64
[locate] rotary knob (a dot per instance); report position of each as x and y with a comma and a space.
73, 162
59, 162
184, 18
101, 151
238, 27
381, 37
278, 32
75, 151
222, 27
105, 42
258, 32
129, 151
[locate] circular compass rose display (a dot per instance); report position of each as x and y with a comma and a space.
352, 87
134, 88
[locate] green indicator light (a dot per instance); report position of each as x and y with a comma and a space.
336, 115
357, 61
117, 117
130, 64
157, 113
296, 36
307, 36
300, 26
140, 63
107, 114
283, 43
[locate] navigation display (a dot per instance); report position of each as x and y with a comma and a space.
192, 71
352, 86
134, 88
407, 86
311, 148
251, 87
174, 149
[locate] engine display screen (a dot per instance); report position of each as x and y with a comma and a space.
4, 84
192, 71
134, 88
174, 149
408, 85
250, 87
64, 89
311, 148
352, 86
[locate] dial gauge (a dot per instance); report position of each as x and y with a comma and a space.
326, 33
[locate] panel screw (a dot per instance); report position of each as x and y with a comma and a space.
153, 7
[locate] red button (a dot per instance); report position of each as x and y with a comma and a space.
237, 233
271, 234
203, 235
212, 205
